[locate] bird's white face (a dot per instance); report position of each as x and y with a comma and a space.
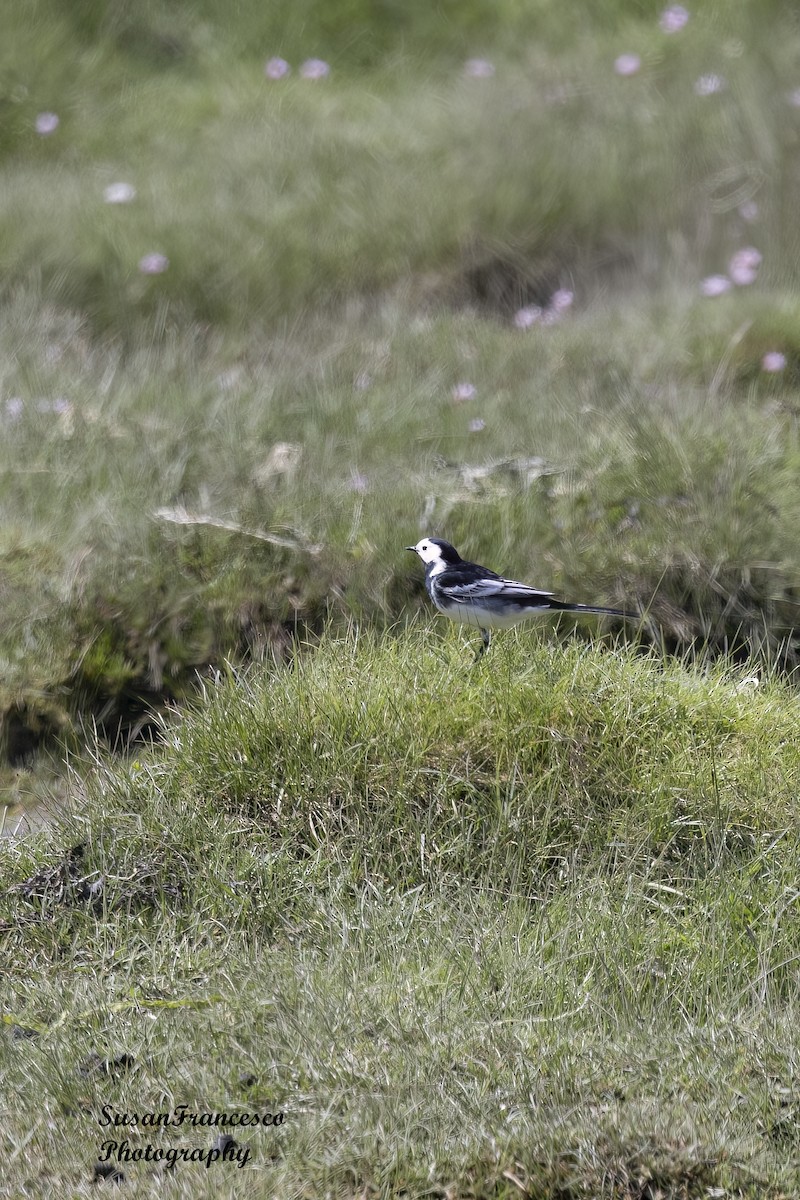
428, 551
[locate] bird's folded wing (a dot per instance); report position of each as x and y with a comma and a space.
495, 589
524, 591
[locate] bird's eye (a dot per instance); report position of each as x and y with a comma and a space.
424, 547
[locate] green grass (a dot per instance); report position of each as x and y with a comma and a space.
523, 929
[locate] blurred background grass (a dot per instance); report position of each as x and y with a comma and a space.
197, 462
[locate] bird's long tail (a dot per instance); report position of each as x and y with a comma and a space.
599, 611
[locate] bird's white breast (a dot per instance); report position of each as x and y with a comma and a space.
473, 613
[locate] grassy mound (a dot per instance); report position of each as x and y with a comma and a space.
520, 928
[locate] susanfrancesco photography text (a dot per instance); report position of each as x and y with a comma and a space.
122, 1152
182, 1116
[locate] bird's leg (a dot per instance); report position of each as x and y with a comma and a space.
486, 637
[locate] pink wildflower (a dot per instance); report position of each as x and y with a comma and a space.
315, 68
715, 285
743, 267
47, 123
674, 18
358, 482
524, 318
276, 68
562, 300
627, 64
773, 361
153, 264
119, 193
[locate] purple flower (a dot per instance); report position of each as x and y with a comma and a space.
562, 300
47, 123
748, 255
743, 267
748, 211
476, 425
464, 391
707, 85
315, 68
358, 482
715, 285
742, 275
14, 407
627, 64
119, 193
478, 68
773, 361
524, 318
673, 19
276, 68
153, 264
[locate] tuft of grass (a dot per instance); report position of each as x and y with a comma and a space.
526, 927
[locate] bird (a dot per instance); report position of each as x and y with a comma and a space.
474, 595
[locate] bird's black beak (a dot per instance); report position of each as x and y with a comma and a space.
413, 549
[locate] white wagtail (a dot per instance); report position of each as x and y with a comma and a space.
474, 595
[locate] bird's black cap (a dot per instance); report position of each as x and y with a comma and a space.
449, 553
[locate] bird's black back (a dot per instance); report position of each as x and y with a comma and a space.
461, 573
